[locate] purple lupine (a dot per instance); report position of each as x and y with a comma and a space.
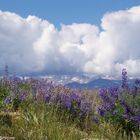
68, 102
124, 79
75, 97
101, 111
126, 106
122, 109
114, 92
134, 92
108, 106
46, 97
123, 102
128, 109
126, 116
8, 100
23, 95
53, 100
85, 107
104, 94
137, 83
136, 119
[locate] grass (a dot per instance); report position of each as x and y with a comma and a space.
37, 123
28, 120
31, 125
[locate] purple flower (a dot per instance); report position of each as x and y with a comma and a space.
134, 92
68, 102
8, 100
46, 97
114, 92
85, 107
108, 106
136, 119
53, 100
123, 102
104, 94
128, 110
124, 79
126, 116
75, 97
23, 95
137, 83
101, 111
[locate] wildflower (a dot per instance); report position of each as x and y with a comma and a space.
8, 100
68, 102
85, 107
124, 79
103, 94
137, 83
134, 92
23, 95
136, 119
114, 92
101, 111
127, 109
126, 116
53, 100
46, 97
75, 97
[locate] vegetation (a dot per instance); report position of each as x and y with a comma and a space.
33, 109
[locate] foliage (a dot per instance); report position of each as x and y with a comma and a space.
38, 109
121, 106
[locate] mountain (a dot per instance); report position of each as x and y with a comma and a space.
82, 81
97, 83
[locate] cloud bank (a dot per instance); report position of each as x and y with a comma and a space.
34, 45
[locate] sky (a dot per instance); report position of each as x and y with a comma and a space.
66, 11
70, 36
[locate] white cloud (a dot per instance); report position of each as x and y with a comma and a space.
118, 42
35, 45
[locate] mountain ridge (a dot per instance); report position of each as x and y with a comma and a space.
98, 83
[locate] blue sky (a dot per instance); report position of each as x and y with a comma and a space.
70, 36
66, 11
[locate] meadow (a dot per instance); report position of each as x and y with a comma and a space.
37, 109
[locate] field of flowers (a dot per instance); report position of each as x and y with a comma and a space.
37, 109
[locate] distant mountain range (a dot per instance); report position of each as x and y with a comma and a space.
83, 81
97, 83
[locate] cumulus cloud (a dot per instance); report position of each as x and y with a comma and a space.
35, 45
